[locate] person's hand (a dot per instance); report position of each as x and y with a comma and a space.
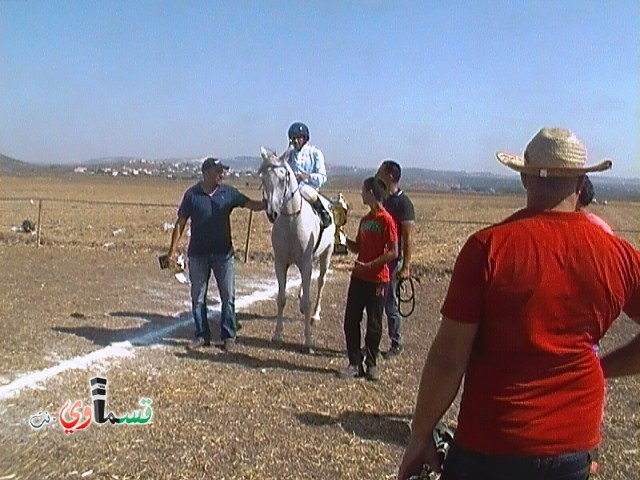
404, 273
303, 176
359, 266
418, 453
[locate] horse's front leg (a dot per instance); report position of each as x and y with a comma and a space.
325, 259
281, 300
305, 303
300, 292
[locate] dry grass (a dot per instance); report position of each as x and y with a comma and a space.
260, 413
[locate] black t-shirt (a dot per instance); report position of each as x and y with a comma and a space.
401, 209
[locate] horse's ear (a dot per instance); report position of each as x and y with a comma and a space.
264, 153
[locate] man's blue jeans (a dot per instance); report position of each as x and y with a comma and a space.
466, 465
200, 268
391, 305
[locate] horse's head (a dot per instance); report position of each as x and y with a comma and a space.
278, 182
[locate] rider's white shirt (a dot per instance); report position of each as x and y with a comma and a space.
309, 160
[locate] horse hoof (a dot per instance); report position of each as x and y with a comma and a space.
308, 350
315, 319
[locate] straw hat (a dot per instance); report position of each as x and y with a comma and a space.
553, 152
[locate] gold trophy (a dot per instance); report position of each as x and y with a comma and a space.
340, 210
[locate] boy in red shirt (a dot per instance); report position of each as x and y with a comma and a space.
376, 245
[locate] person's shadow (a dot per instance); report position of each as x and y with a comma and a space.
292, 347
148, 333
385, 427
155, 328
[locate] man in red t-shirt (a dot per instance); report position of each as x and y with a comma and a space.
376, 245
527, 301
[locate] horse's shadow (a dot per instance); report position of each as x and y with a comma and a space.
239, 358
384, 427
259, 342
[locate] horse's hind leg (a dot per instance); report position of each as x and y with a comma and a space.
325, 259
281, 300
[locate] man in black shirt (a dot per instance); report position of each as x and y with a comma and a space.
401, 209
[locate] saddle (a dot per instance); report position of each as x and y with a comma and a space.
336, 210
322, 206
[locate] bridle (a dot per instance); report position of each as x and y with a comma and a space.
287, 183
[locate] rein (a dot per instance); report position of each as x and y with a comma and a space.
406, 296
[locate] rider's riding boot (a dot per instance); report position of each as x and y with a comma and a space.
325, 218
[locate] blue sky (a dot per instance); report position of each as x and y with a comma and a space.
435, 84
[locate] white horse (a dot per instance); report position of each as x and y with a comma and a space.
296, 238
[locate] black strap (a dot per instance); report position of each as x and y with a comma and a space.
322, 229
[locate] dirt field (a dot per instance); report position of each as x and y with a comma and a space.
260, 413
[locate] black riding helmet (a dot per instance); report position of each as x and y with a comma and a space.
298, 129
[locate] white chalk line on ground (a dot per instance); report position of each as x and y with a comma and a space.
126, 349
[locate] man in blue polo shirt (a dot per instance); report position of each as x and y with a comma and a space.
208, 204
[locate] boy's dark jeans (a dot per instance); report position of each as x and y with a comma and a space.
370, 296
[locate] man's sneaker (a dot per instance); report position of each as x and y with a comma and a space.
352, 371
372, 374
198, 343
394, 351
229, 345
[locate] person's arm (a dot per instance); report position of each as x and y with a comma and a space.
239, 199
353, 245
441, 377
407, 249
449, 354
184, 213
176, 235
407, 224
318, 176
390, 254
255, 205
625, 360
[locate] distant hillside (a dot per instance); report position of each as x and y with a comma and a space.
340, 176
11, 166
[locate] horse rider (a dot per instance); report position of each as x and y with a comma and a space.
307, 161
